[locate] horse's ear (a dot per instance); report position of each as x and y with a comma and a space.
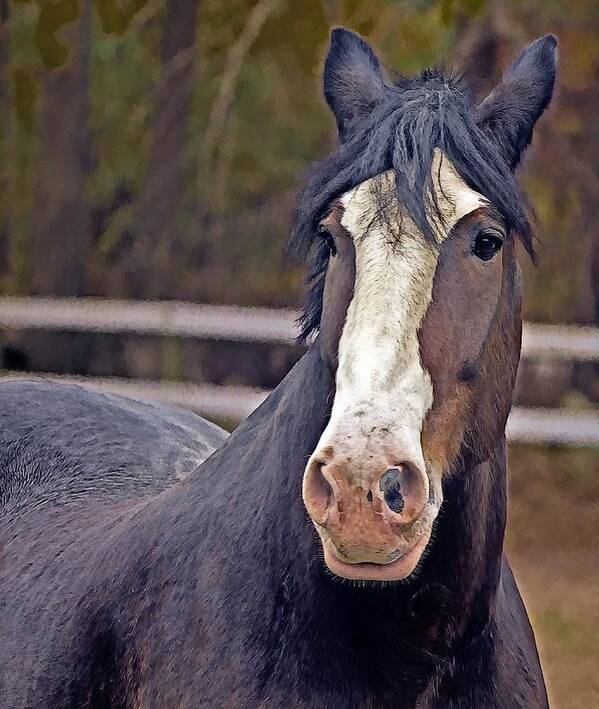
353, 79
511, 110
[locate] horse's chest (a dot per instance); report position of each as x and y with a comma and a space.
225, 686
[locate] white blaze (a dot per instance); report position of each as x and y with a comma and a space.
382, 390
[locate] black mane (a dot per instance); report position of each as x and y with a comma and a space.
431, 111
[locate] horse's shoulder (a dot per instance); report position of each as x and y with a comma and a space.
64, 439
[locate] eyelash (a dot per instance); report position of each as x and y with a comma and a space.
327, 237
487, 243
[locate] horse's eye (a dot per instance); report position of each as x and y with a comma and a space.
328, 238
487, 243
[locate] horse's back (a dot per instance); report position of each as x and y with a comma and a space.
61, 442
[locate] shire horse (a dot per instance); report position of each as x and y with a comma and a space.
344, 546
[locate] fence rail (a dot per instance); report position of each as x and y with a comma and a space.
525, 425
211, 400
243, 324
212, 322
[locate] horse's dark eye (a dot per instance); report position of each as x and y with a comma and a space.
328, 239
487, 243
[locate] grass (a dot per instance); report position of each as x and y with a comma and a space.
553, 544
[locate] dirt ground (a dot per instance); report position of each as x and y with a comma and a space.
553, 544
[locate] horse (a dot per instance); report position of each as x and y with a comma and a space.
343, 547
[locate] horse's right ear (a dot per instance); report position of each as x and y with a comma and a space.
353, 80
511, 110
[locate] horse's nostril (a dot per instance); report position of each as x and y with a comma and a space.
317, 492
390, 486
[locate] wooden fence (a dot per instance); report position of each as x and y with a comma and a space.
563, 342
224, 322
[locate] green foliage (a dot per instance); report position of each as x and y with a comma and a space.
25, 89
240, 196
54, 15
451, 10
122, 74
51, 18
116, 17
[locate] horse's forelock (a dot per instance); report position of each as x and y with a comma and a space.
432, 111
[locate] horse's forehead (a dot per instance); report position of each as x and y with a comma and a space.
375, 200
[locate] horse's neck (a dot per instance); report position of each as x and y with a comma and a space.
274, 445
276, 442
260, 530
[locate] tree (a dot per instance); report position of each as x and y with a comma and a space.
162, 196
4, 122
61, 231
61, 223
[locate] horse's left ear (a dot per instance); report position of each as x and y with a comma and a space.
511, 110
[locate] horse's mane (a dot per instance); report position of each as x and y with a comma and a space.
433, 110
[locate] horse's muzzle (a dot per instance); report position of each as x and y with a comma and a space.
373, 524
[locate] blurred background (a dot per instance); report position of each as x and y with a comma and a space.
151, 151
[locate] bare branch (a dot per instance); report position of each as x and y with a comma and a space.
226, 93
